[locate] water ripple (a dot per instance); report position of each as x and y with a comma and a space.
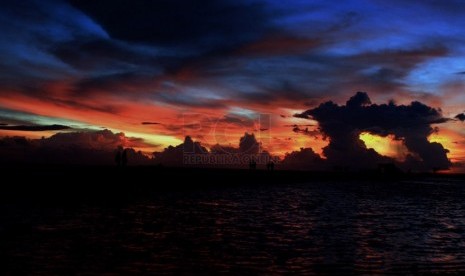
317, 228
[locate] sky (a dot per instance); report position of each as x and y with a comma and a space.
152, 72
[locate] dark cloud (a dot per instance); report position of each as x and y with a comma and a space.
402, 57
150, 123
103, 139
460, 117
31, 29
192, 153
219, 54
447, 8
306, 77
77, 104
299, 125
133, 49
99, 53
222, 149
237, 120
304, 159
303, 115
280, 45
180, 129
461, 73
360, 99
34, 128
174, 155
52, 41
412, 123
249, 144
83, 148
118, 82
180, 98
175, 22
306, 131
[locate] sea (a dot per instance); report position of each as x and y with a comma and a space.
321, 227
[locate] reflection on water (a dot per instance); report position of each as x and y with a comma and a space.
305, 228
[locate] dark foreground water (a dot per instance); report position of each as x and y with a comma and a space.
336, 227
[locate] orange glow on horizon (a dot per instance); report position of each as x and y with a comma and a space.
209, 126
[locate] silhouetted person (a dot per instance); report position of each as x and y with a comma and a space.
124, 158
118, 157
252, 164
270, 165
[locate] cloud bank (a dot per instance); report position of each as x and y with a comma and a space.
72, 148
191, 153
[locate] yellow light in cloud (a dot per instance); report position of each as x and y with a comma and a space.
453, 141
446, 138
441, 139
387, 146
158, 141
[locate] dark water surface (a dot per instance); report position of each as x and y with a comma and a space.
339, 227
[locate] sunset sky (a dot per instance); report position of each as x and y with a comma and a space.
160, 70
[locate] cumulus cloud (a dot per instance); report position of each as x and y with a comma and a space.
174, 155
192, 153
84, 58
80, 148
304, 159
104, 140
249, 144
411, 123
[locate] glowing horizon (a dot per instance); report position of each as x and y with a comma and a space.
105, 69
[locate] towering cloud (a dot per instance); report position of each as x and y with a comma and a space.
411, 123
191, 153
248, 144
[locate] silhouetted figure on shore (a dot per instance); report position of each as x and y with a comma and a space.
124, 158
270, 165
118, 157
252, 164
